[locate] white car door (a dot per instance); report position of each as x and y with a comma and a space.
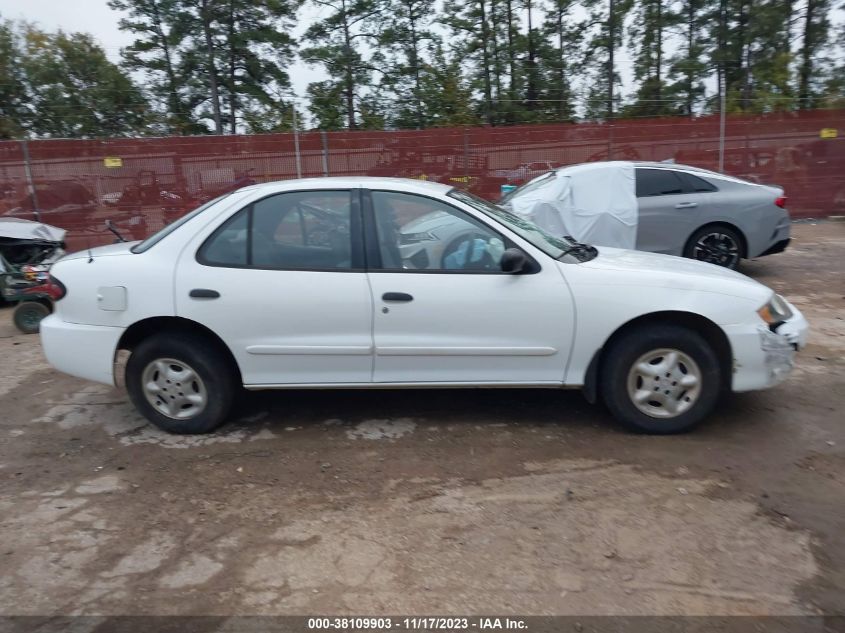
444, 310
282, 282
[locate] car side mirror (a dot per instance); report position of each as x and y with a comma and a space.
513, 261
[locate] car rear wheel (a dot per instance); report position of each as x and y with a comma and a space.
718, 245
660, 379
180, 383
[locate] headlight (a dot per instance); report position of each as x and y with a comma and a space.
775, 312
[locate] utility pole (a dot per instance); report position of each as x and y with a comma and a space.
296, 142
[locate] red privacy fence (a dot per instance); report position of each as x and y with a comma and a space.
143, 183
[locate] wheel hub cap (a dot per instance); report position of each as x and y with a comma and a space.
664, 383
174, 389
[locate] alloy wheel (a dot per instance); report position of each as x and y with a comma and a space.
664, 383
717, 248
174, 388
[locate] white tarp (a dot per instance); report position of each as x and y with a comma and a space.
18, 229
595, 203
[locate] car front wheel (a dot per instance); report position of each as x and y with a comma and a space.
180, 383
661, 379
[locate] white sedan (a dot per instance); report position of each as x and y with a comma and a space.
321, 283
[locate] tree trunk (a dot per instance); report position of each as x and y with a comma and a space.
511, 53
233, 118
485, 54
721, 66
497, 63
611, 46
174, 103
531, 93
415, 64
563, 103
805, 71
349, 82
658, 67
212, 68
690, 81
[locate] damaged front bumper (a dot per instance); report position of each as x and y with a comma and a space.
763, 358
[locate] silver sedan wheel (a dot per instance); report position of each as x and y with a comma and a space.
717, 248
174, 388
664, 383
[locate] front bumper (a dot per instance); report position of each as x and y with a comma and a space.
763, 358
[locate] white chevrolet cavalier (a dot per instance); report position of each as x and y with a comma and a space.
382, 283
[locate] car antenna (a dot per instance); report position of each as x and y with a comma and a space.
90, 255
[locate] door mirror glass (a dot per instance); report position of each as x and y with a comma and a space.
513, 261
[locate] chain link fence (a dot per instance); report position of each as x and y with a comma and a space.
143, 183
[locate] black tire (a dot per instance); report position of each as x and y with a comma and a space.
217, 380
617, 371
28, 316
716, 244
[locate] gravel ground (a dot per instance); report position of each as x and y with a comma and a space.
420, 502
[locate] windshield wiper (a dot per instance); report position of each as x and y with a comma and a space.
584, 252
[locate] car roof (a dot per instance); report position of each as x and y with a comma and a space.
347, 182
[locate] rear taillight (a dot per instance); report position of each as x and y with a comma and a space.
781, 202
56, 289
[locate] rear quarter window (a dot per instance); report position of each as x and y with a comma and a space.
658, 182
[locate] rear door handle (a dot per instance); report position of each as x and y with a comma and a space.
397, 296
686, 205
203, 293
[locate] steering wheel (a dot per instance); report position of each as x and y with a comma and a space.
468, 241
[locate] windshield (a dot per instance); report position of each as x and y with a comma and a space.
528, 186
156, 237
546, 242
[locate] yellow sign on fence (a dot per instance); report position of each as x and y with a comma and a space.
112, 162
829, 132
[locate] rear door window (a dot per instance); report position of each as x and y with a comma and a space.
658, 182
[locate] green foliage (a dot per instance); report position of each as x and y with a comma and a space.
62, 85
221, 66
336, 46
15, 113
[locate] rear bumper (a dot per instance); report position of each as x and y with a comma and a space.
777, 247
86, 351
762, 358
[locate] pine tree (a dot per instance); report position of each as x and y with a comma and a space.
161, 28
470, 25
652, 21
606, 24
403, 42
688, 67
815, 27
334, 46
559, 54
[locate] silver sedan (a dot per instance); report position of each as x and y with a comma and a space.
702, 214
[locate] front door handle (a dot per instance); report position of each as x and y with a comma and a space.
203, 293
397, 296
686, 205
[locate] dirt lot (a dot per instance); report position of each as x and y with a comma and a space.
413, 502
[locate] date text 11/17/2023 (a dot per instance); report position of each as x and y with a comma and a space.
418, 623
